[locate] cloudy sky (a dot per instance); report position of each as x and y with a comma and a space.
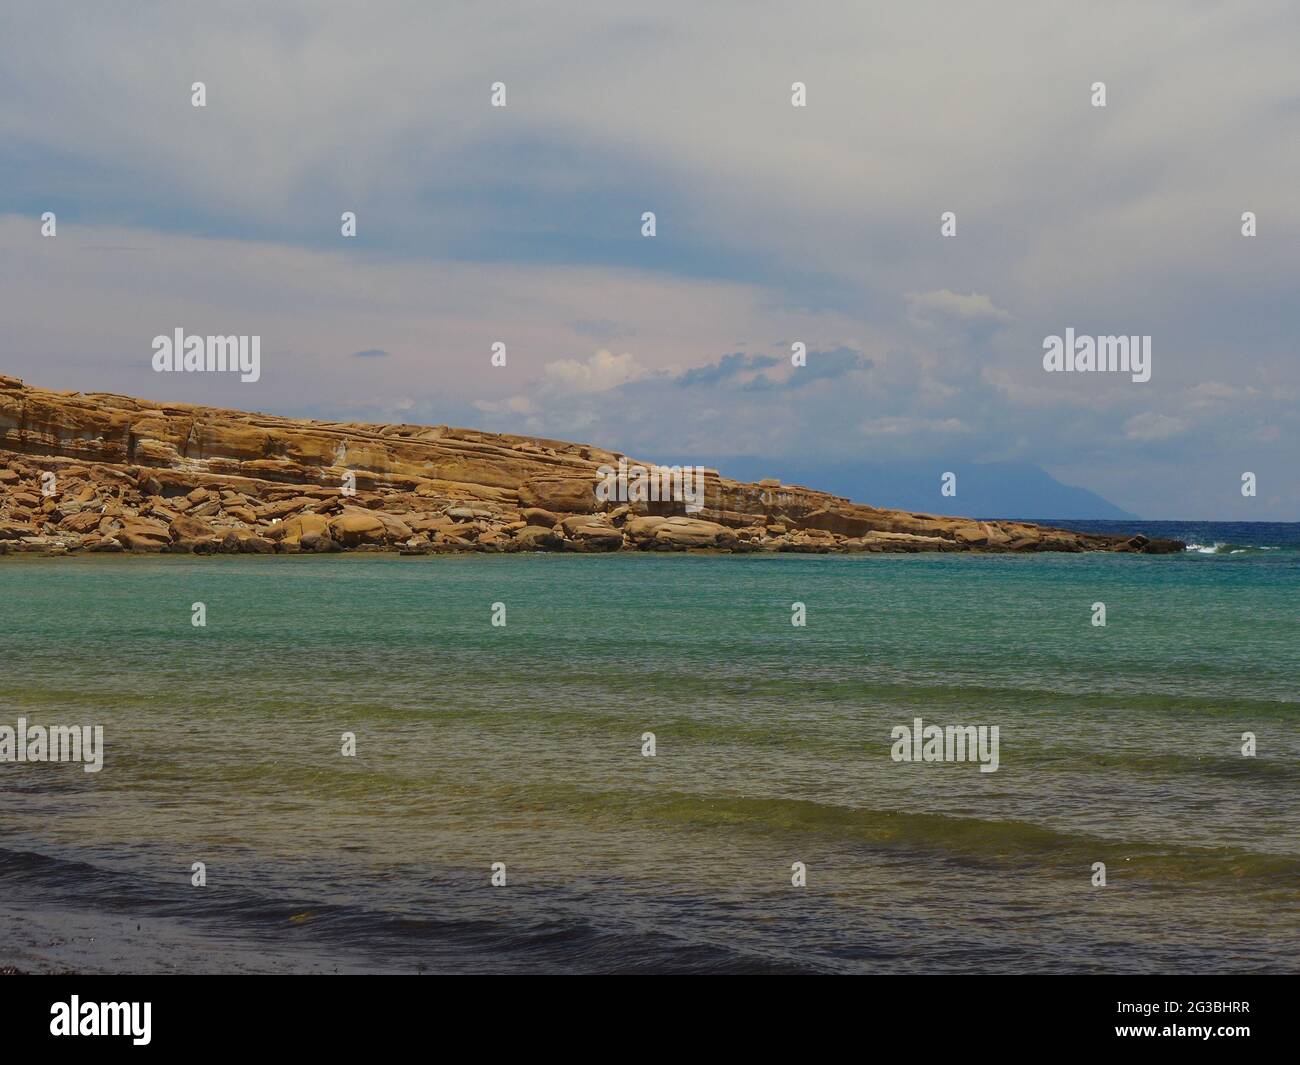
775, 224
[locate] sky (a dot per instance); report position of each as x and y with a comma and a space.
775, 224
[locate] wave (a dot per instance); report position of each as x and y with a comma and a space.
278, 928
1222, 548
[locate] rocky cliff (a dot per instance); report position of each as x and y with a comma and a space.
101, 472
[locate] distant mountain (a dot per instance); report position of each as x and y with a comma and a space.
984, 490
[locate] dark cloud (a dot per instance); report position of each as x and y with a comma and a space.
726, 368
826, 365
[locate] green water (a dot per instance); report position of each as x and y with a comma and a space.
522, 744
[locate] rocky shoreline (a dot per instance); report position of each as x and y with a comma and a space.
95, 473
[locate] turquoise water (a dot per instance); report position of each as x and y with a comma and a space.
522, 744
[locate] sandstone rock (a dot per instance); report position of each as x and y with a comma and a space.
282, 508
186, 527
591, 534
907, 542
971, 534
146, 526
692, 532
354, 527
836, 521
1164, 547
299, 527
470, 513
396, 531
539, 538
643, 528
14, 530
538, 516
83, 521
319, 542
138, 540
565, 495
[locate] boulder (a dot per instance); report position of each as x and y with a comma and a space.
395, 530
971, 534
538, 538
282, 508
187, 527
471, 513
692, 532
135, 540
299, 527
562, 494
643, 528
353, 527
205, 510
591, 534
538, 516
84, 521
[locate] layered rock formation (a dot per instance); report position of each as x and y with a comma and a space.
100, 472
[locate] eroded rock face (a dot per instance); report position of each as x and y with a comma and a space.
690, 532
138, 476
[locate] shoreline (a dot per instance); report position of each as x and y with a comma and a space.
11, 550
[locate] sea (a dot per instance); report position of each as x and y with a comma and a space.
639, 763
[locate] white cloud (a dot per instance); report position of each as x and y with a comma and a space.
598, 373
945, 307
1152, 426
896, 426
523, 405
